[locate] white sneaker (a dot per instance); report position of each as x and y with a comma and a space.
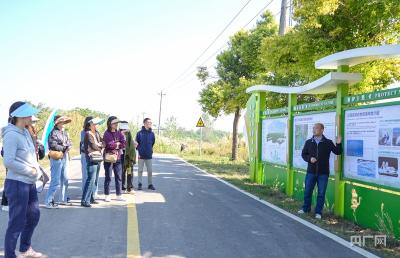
31, 253
51, 206
301, 211
5, 208
318, 216
120, 198
107, 198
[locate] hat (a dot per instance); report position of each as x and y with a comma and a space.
96, 121
24, 110
63, 119
124, 126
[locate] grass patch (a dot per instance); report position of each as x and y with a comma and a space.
236, 173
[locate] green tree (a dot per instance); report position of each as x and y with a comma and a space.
237, 68
171, 127
328, 26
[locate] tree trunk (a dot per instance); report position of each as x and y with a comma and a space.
235, 134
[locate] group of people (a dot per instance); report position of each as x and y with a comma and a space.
22, 150
116, 149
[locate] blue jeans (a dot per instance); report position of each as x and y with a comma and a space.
24, 215
93, 169
84, 170
58, 178
322, 183
109, 167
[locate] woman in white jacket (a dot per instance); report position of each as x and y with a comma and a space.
22, 173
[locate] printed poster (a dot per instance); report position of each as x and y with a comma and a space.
372, 145
274, 140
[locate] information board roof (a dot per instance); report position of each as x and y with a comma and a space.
357, 56
323, 85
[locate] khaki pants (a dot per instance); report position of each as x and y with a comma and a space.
149, 168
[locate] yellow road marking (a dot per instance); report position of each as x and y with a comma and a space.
133, 242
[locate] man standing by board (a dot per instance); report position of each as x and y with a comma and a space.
316, 153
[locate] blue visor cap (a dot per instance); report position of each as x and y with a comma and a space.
97, 121
26, 110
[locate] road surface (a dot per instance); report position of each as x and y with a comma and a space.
191, 214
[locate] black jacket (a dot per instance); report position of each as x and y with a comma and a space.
59, 140
145, 139
321, 152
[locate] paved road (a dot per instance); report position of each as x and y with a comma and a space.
190, 215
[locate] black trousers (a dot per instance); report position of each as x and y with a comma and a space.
4, 201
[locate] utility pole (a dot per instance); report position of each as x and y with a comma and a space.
282, 21
291, 13
159, 114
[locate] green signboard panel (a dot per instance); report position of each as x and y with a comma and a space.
323, 104
364, 186
371, 96
374, 208
275, 176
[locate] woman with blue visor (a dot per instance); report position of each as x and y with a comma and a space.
20, 186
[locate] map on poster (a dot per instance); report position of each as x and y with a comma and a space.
274, 140
372, 145
303, 127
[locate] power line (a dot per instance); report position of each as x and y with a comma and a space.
259, 13
224, 45
212, 43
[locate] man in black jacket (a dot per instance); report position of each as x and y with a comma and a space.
316, 153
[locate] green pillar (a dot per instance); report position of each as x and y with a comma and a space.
292, 101
255, 106
261, 106
342, 91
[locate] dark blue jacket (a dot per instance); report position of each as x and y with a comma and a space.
145, 139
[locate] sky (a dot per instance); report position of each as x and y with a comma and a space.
114, 56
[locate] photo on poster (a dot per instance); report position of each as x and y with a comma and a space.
276, 132
301, 136
366, 168
385, 136
274, 142
388, 166
355, 148
396, 137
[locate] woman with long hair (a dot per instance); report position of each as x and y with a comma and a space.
93, 147
82, 151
